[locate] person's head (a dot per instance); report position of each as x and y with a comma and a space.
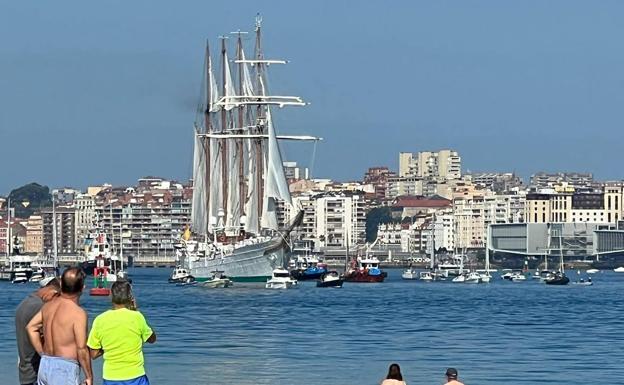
50, 288
72, 281
121, 293
451, 374
394, 373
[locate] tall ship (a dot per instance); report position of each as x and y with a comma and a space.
238, 173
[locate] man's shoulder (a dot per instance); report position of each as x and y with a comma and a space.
30, 302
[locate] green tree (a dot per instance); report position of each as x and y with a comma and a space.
35, 194
374, 218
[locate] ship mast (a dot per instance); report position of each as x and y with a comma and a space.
224, 128
241, 121
207, 129
260, 118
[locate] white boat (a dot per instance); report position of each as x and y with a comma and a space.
37, 275
180, 275
517, 277
426, 276
592, 271
619, 269
218, 280
459, 279
473, 277
281, 280
238, 173
583, 282
19, 277
409, 274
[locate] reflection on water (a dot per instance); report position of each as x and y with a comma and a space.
517, 333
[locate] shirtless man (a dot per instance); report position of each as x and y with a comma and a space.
451, 377
64, 350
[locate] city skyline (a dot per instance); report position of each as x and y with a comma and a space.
109, 94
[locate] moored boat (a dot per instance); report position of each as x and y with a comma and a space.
330, 279
409, 274
473, 277
558, 278
619, 269
365, 270
592, 271
426, 276
180, 274
281, 279
19, 277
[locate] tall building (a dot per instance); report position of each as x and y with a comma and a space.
34, 235
331, 220
65, 231
86, 217
578, 181
439, 165
379, 178
294, 172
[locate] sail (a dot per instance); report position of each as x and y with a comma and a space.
212, 87
198, 210
246, 78
216, 198
251, 201
275, 184
229, 85
233, 199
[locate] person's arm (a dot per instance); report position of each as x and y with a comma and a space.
80, 338
33, 329
95, 353
152, 338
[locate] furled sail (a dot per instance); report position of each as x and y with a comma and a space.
213, 88
251, 201
199, 211
216, 196
246, 78
233, 199
229, 85
275, 183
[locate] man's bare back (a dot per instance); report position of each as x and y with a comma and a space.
64, 326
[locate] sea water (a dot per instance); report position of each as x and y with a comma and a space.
502, 332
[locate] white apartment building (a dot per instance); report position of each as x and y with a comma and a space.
443, 164
330, 219
86, 217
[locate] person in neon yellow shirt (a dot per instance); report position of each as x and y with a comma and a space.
119, 334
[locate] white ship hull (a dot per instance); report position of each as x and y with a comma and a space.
252, 263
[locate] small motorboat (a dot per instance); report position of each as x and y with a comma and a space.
426, 276
473, 277
619, 269
517, 277
583, 282
181, 275
486, 277
37, 275
218, 280
557, 279
409, 274
365, 270
507, 274
19, 277
330, 279
281, 279
459, 279
592, 271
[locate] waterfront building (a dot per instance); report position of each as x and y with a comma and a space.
34, 235
443, 164
329, 219
571, 207
66, 234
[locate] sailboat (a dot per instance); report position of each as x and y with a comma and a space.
237, 170
559, 278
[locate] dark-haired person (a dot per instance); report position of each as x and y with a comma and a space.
49, 288
119, 335
451, 377
64, 323
394, 376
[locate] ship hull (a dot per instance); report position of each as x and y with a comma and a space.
253, 263
364, 277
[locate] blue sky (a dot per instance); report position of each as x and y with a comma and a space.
94, 92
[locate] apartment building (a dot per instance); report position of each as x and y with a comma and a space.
34, 235
66, 232
443, 164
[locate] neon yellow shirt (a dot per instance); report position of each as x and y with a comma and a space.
121, 334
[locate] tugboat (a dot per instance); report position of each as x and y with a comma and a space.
365, 270
330, 279
281, 280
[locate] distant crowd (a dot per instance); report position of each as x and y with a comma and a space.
53, 343
54, 346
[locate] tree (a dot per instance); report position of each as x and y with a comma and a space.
35, 194
374, 218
